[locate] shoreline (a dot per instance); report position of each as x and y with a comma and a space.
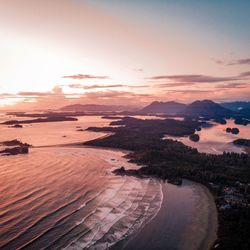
213, 222
210, 237
130, 242
172, 228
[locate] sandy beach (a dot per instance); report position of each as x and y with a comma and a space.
187, 220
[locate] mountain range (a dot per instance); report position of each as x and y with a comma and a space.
203, 108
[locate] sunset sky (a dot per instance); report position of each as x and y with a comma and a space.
59, 52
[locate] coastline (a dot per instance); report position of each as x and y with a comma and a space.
156, 225
206, 242
142, 238
211, 226
172, 227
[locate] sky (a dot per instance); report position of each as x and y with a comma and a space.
59, 52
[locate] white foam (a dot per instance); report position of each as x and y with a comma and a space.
112, 222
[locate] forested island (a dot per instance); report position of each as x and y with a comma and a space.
40, 120
226, 175
242, 142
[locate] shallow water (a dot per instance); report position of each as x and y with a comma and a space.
67, 197
54, 133
216, 140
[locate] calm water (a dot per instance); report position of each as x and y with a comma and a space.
215, 140
54, 133
66, 197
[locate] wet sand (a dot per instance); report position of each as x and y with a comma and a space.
187, 220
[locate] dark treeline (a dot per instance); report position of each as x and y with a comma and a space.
242, 142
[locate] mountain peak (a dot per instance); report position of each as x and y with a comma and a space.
205, 108
157, 107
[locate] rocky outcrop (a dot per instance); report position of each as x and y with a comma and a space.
15, 150
14, 147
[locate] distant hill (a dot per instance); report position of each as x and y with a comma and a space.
236, 106
94, 108
206, 108
169, 108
